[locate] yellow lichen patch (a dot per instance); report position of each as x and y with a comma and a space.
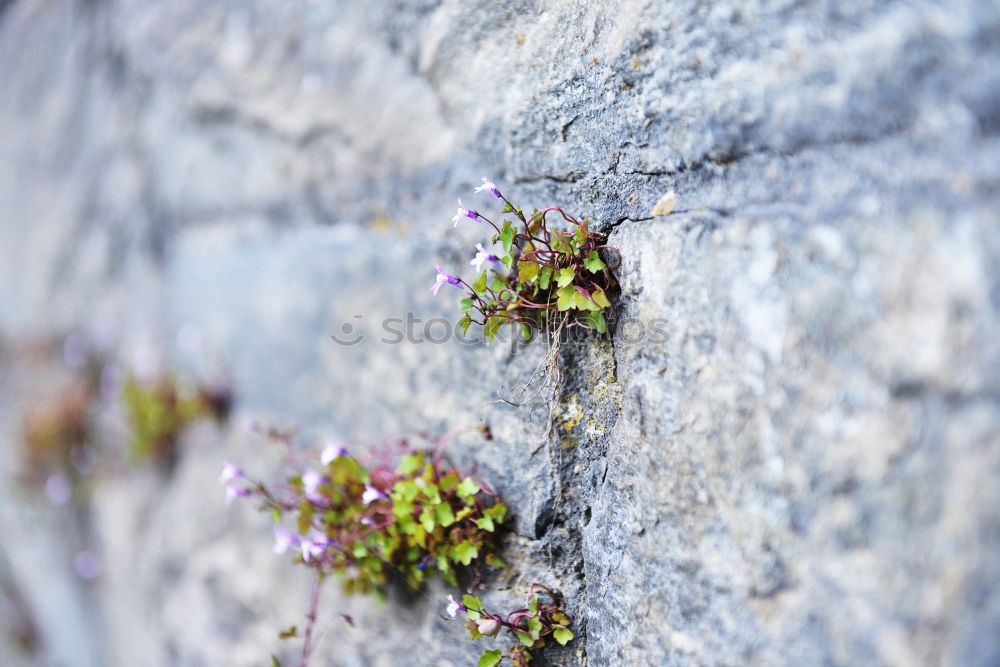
571, 415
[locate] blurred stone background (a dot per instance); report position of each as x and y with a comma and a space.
801, 466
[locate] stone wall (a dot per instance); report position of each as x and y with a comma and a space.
802, 466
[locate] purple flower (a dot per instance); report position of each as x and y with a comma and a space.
455, 607
233, 492
87, 565
442, 278
284, 540
58, 489
311, 550
372, 494
229, 473
314, 547
488, 185
332, 452
462, 211
482, 257
311, 481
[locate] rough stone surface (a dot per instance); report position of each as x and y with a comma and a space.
788, 452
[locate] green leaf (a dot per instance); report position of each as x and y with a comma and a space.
466, 303
534, 627
406, 489
480, 284
490, 658
565, 276
442, 512
507, 208
485, 523
559, 243
408, 464
289, 633
507, 236
274, 662
565, 299
465, 552
498, 285
525, 639
562, 635
467, 488
560, 618
304, 519
493, 324
596, 320
507, 260
533, 606
495, 561
525, 332
472, 603
581, 232
582, 302
497, 512
465, 323
427, 519
593, 262
527, 270
600, 298
544, 277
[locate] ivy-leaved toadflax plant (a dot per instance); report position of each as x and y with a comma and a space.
534, 276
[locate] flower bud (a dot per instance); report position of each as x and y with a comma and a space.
488, 626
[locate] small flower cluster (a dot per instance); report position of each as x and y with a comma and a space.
360, 522
159, 410
531, 626
538, 277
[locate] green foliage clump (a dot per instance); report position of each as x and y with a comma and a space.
363, 524
539, 277
159, 411
531, 626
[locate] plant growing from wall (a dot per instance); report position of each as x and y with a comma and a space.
540, 277
543, 618
59, 438
60, 433
361, 523
158, 411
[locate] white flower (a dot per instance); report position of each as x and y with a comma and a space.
313, 548
233, 492
371, 494
229, 473
331, 452
489, 187
454, 607
482, 256
462, 211
283, 540
311, 481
